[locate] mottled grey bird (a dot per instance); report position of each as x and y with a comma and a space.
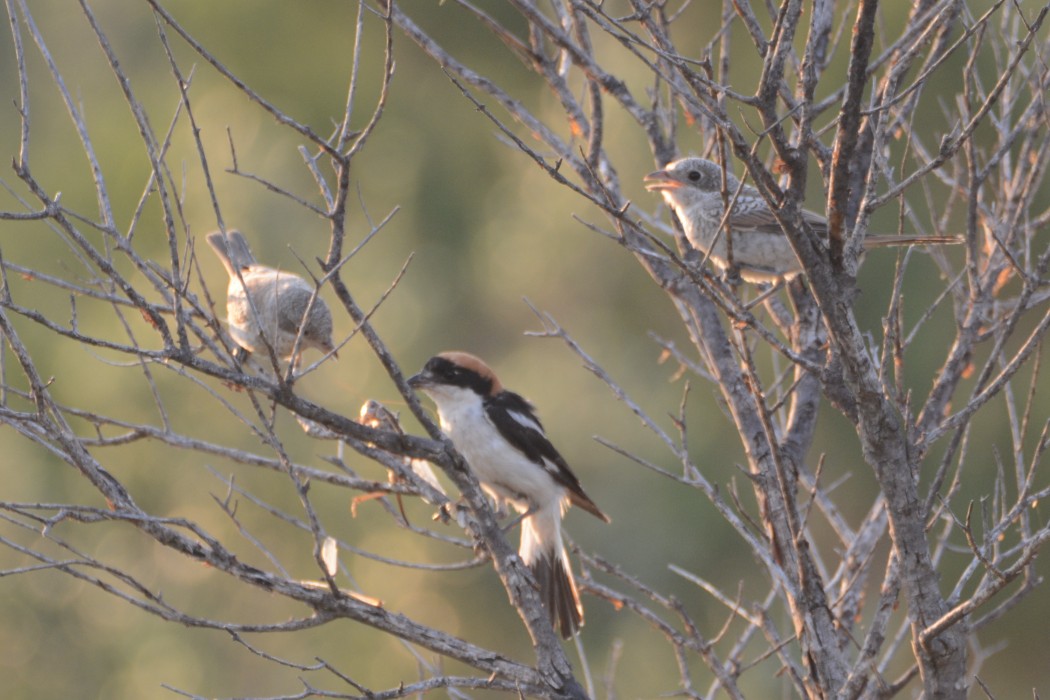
271, 304
760, 248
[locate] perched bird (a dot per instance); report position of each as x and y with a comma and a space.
267, 306
501, 438
692, 187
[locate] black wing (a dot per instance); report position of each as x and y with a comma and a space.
515, 419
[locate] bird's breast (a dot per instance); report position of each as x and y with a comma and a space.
501, 468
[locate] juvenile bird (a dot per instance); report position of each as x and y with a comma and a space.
267, 306
692, 187
502, 440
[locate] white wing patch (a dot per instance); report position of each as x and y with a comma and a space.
525, 420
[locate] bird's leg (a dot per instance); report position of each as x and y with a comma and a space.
731, 275
519, 518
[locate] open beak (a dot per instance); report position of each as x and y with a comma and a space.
660, 180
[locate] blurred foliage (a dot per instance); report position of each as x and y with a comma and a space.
485, 229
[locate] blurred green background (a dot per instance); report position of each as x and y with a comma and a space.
487, 229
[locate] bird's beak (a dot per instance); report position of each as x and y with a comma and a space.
660, 180
419, 381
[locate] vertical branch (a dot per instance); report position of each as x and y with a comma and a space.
844, 176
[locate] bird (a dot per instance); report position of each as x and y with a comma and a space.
692, 187
266, 306
499, 435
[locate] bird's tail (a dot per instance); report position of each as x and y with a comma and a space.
543, 552
232, 250
883, 240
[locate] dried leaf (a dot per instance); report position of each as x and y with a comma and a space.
1005, 275
148, 319
330, 555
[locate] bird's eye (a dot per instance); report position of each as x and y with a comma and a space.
694, 175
